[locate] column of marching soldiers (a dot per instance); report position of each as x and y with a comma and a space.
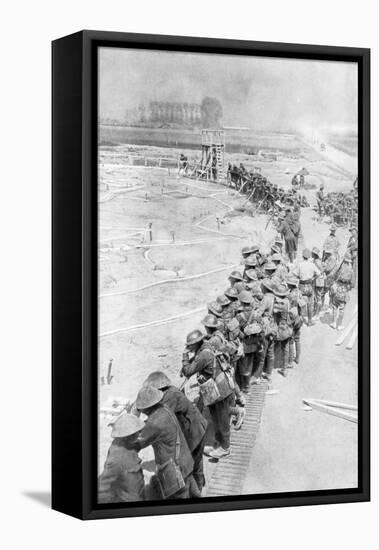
250, 331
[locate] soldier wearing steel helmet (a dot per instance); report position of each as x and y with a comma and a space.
199, 359
236, 280
320, 197
162, 431
297, 304
281, 270
122, 478
281, 314
330, 266
307, 271
339, 292
233, 308
332, 242
245, 364
192, 423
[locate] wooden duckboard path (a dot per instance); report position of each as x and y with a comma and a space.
230, 472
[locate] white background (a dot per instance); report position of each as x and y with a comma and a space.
27, 29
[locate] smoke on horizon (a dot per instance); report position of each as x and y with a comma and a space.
266, 94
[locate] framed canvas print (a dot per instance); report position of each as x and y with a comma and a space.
211, 291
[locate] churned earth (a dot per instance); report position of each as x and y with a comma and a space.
166, 246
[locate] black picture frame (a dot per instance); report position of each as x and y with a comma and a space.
74, 272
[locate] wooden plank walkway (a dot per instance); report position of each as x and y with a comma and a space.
230, 472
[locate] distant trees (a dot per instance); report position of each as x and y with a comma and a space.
207, 114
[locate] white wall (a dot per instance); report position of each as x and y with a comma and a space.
27, 29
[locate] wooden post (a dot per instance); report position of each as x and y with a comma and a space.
150, 231
109, 373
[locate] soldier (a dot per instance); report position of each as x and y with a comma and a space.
252, 282
191, 421
281, 270
290, 230
320, 197
122, 478
332, 242
296, 302
251, 263
270, 269
339, 291
172, 456
215, 308
281, 314
232, 309
199, 359
330, 266
246, 363
230, 347
222, 301
236, 280
306, 271
352, 247
319, 283
264, 314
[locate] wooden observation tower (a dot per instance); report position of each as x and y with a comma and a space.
213, 154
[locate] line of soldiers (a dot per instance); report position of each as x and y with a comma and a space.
251, 329
268, 196
342, 208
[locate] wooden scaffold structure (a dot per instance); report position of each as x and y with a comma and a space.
212, 164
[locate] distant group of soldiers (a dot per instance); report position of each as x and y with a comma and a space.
342, 208
259, 190
251, 329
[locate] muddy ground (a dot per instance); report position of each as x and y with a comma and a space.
183, 267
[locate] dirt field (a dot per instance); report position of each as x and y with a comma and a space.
183, 267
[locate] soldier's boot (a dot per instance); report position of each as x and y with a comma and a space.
220, 453
241, 413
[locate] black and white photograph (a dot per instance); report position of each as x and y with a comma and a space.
227, 275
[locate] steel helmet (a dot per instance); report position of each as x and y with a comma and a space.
194, 337
255, 328
281, 289
328, 249
306, 253
245, 297
253, 248
276, 257
126, 424
157, 379
251, 261
251, 274
210, 321
245, 250
215, 308
223, 300
316, 251
270, 266
236, 275
266, 283
148, 397
275, 248
231, 293
292, 280
257, 293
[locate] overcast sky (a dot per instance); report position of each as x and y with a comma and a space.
258, 92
